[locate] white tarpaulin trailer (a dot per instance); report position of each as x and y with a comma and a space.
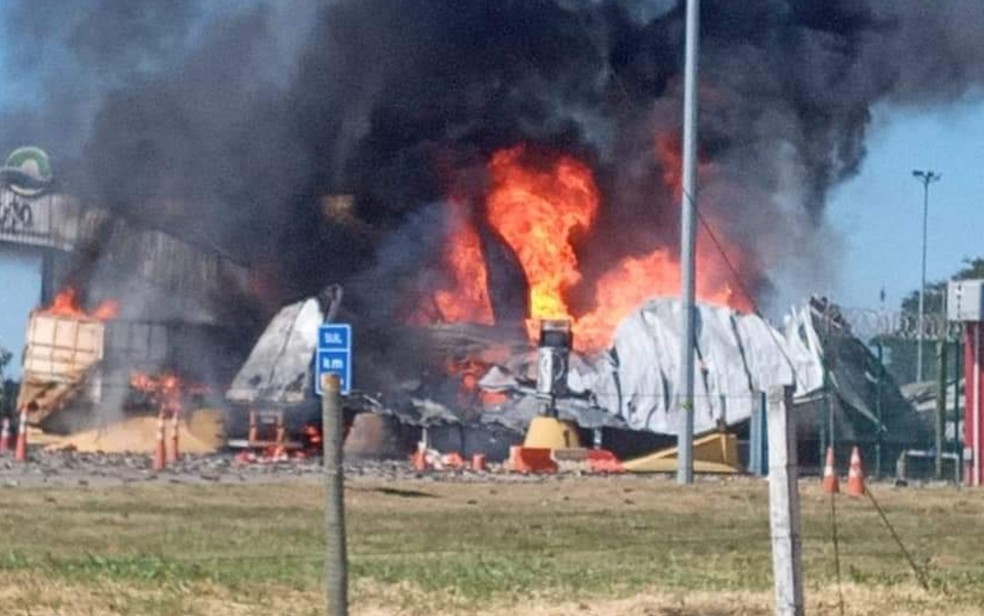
738, 356
635, 382
633, 385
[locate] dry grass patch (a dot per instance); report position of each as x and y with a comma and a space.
596, 545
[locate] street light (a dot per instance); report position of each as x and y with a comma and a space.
926, 178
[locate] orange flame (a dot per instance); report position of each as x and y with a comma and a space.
637, 279
163, 389
107, 310
537, 211
66, 304
468, 371
467, 298
166, 388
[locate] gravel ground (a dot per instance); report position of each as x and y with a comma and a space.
68, 469
76, 469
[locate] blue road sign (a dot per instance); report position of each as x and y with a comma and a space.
334, 355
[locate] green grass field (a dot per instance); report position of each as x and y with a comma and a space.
588, 546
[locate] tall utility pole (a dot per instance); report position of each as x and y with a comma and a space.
927, 178
688, 238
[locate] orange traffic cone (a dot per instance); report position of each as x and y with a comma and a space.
478, 463
419, 457
855, 476
5, 436
160, 449
453, 460
20, 451
830, 483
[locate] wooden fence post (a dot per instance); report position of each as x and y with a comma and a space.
336, 558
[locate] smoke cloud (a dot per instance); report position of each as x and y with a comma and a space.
228, 122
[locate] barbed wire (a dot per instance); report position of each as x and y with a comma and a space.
867, 323
835, 539
919, 573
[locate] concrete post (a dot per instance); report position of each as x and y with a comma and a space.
787, 562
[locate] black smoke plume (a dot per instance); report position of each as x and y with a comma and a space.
228, 122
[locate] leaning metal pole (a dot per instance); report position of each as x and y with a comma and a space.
922, 285
926, 178
688, 239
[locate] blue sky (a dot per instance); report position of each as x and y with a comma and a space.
879, 212
20, 287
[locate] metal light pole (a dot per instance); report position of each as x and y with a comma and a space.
927, 178
688, 238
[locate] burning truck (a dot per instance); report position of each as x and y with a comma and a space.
271, 396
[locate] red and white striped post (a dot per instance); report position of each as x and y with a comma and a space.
175, 423
974, 404
5, 436
20, 452
965, 305
160, 455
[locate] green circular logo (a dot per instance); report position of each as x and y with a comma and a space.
27, 171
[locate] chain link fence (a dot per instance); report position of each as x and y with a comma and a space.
872, 361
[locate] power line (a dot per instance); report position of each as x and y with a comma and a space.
836, 541
920, 575
748, 295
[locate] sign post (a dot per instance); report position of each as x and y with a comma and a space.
333, 377
336, 555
